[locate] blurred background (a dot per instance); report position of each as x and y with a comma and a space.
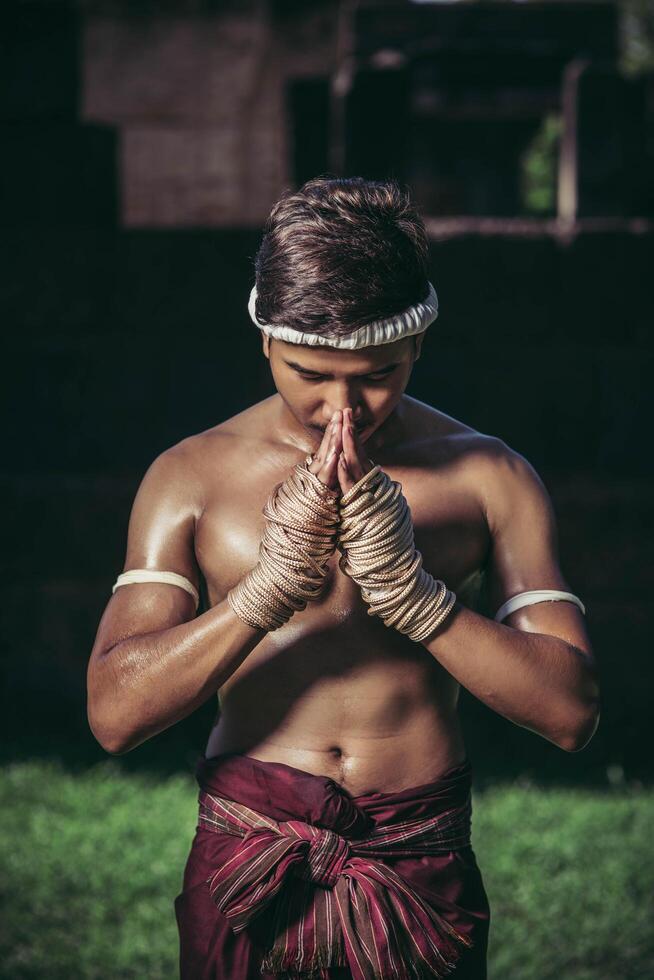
143, 144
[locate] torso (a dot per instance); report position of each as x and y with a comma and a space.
334, 692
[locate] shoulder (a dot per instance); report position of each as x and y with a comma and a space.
190, 470
177, 478
504, 482
176, 467
170, 488
509, 486
481, 456
501, 478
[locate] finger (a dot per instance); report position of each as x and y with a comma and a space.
328, 472
335, 446
344, 477
326, 444
326, 441
365, 462
354, 463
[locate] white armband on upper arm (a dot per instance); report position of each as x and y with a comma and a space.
536, 595
138, 575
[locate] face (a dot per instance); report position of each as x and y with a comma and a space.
314, 382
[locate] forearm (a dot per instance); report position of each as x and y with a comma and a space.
144, 684
537, 681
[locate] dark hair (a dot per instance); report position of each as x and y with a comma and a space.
340, 253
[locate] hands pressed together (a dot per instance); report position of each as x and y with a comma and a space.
340, 459
337, 498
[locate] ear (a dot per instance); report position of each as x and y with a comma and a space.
266, 345
417, 345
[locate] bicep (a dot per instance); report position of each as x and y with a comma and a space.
160, 537
525, 552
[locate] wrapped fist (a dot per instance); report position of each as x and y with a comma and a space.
378, 550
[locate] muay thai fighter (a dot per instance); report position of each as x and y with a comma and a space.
340, 532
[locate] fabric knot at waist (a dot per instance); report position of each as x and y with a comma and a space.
330, 899
326, 853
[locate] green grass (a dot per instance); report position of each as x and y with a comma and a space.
570, 879
91, 864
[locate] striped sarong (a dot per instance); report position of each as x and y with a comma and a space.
335, 904
321, 893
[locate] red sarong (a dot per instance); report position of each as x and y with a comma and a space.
290, 876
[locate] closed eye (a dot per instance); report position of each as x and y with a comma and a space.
379, 376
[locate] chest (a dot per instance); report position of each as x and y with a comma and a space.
449, 526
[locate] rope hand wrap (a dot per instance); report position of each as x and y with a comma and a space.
378, 552
298, 541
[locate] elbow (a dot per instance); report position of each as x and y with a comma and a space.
106, 734
583, 718
580, 733
109, 741
115, 749
102, 714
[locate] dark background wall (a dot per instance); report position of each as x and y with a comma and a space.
117, 342
123, 343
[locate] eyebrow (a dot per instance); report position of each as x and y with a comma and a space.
386, 369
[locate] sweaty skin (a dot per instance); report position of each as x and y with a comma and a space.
333, 692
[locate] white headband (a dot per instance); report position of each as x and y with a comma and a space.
413, 320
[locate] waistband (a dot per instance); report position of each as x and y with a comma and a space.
284, 792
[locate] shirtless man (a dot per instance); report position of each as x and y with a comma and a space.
336, 693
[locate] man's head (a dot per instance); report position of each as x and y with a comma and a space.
340, 261
314, 382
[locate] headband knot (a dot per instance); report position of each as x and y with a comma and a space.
414, 320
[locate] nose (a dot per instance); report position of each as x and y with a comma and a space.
341, 396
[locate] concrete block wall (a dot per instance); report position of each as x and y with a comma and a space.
200, 107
